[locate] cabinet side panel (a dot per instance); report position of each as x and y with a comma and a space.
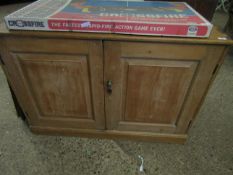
201, 83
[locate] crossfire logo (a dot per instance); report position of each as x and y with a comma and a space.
21, 23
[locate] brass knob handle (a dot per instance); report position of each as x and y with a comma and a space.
109, 86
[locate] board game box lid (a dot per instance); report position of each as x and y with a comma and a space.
127, 17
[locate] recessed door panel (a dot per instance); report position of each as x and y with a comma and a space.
155, 89
59, 84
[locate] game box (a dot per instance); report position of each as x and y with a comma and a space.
125, 17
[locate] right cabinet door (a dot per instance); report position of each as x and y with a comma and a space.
155, 87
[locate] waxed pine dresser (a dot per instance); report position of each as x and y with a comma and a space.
110, 85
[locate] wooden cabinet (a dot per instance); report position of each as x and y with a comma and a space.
111, 86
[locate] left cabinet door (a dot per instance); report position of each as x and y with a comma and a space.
59, 83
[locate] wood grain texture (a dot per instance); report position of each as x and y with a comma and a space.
156, 89
140, 101
15, 82
201, 84
148, 93
64, 86
158, 83
140, 136
163, 51
59, 84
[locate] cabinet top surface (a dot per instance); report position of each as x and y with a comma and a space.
216, 36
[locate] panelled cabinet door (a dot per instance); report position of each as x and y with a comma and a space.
63, 81
153, 85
